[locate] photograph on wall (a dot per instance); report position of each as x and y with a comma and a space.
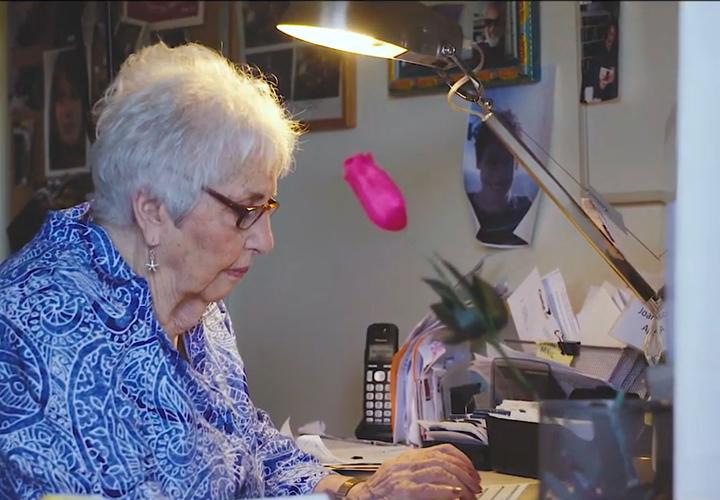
164, 15
317, 73
506, 33
276, 65
600, 42
503, 197
66, 111
259, 21
316, 83
129, 36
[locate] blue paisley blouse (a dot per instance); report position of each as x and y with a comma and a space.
94, 399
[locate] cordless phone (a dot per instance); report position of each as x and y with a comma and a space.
380, 346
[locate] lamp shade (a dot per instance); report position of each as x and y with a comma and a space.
407, 31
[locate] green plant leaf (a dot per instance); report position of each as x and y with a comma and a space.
445, 291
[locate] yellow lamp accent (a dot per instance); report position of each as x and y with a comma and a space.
344, 40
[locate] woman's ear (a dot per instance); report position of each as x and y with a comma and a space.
151, 217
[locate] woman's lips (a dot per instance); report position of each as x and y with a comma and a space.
237, 272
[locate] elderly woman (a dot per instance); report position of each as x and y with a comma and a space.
119, 371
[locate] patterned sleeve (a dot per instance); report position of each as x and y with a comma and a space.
287, 470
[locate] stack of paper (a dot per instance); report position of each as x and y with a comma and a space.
415, 357
466, 431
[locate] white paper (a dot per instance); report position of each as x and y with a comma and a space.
635, 323
355, 452
316, 427
596, 319
531, 312
525, 228
560, 303
313, 444
285, 430
469, 432
617, 296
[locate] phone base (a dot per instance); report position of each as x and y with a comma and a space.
373, 432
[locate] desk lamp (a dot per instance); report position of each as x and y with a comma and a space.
415, 33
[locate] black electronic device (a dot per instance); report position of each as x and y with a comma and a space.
380, 346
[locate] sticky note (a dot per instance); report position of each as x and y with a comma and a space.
551, 351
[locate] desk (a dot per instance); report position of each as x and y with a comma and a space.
345, 449
490, 478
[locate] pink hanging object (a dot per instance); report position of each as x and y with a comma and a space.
378, 194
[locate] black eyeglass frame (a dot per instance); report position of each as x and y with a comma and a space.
245, 212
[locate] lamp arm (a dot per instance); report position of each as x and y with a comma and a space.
574, 213
554, 188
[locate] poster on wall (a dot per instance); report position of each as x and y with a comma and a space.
503, 197
599, 59
66, 111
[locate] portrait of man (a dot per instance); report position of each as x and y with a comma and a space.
497, 208
489, 34
503, 197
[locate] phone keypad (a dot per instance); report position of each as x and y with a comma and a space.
377, 395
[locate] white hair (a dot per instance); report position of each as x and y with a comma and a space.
175, 120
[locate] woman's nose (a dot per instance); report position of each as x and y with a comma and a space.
261, 240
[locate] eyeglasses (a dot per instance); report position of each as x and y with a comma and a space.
247, 215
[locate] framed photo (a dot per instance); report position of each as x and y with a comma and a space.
317, 84
507, 33
164, 15
128, 37
600, 41
66, 112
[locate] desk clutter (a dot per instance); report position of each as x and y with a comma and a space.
495, 404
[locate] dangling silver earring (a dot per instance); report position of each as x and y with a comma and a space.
152, 264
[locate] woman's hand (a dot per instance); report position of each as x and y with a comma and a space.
437, 473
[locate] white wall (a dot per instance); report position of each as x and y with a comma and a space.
301, 314
696, 273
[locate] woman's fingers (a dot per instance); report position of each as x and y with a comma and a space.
455, 462
438, 472
453, 451
470, 480
430, 484
438, 476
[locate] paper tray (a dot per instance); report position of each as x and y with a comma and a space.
513, 446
